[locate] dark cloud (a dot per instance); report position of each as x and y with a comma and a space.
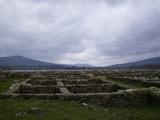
99, 32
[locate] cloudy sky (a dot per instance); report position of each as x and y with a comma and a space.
97, 32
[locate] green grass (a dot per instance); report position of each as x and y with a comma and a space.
21, 109
129, 83
5, 84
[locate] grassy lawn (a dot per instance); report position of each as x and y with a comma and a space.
35, 109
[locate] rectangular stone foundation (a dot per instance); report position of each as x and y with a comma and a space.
77, 86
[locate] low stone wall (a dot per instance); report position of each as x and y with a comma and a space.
2, 77
138, 81
18, 74
123, 98
81, 81
94, 88
42, 82
37, 89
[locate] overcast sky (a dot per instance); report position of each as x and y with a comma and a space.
97, 32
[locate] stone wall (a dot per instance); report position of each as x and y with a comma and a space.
75, 86
2, 75
123, 98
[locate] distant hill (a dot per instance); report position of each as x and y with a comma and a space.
151, 63
20, 62
82, 65
24, 63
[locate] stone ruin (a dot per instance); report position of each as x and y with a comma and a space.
83, 87
2, 75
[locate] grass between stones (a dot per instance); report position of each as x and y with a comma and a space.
128, 83
5, 84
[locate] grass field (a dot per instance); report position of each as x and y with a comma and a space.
36, 109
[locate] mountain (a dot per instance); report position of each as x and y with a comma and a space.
82, 65
151, 63
24, 63
20, 62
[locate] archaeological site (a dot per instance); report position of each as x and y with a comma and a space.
87, 86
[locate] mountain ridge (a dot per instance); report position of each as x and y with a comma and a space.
24, 63
20, 60
145, 63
